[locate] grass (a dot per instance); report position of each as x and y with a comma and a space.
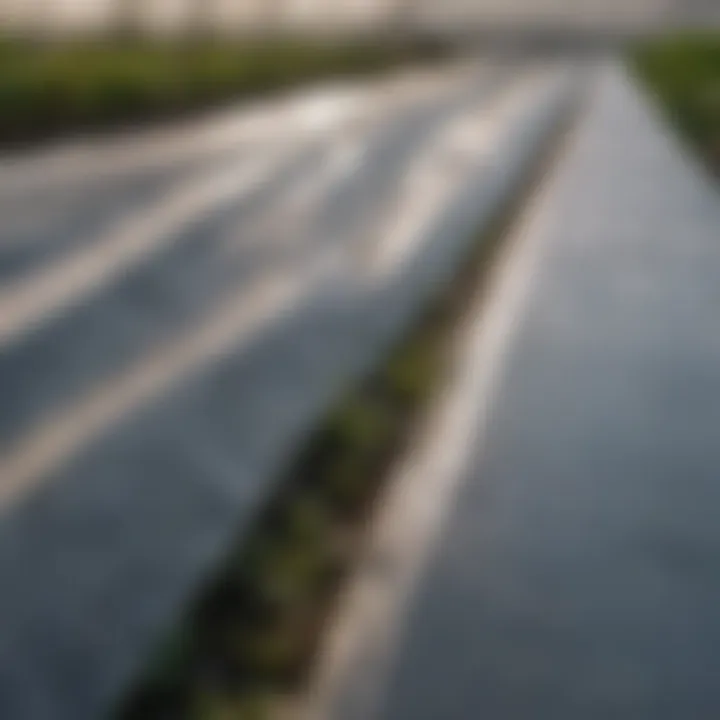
248, 642
49, 89
684, 74
247, 645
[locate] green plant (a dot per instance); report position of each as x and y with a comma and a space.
683, 73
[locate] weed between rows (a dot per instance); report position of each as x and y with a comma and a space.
248, 643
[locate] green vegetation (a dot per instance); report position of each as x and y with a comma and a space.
247, 645
249, 641
55, 88
684, 74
